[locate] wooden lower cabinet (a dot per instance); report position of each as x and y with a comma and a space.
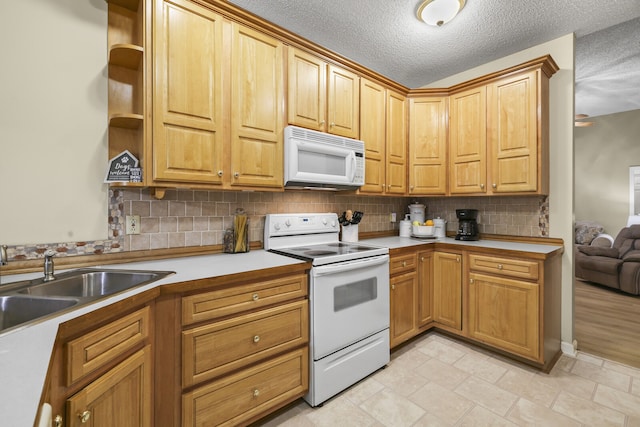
505, 313
447, 289
121, 397
244, 350
425, 287
235, 399
404, 313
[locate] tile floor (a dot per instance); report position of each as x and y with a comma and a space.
438, 381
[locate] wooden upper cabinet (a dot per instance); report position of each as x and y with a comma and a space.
372, 132
396, 179
428, 146
187, 89
468, 141
343, 102
513, 132
257, 110
307, 90
322, 96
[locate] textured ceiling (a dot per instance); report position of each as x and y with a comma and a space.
386, 36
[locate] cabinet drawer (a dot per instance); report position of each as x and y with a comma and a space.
402, 264
240, 397
98, 347
234, 300
504, 266
221, 347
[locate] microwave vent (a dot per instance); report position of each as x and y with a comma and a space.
324, 138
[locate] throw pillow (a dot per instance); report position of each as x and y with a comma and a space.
599, 251
586, 231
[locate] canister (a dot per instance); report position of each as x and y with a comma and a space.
416, 210
405, 227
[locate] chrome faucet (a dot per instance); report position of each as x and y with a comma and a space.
48, 265
3, 255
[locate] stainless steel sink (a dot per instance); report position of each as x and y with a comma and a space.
27, 301
93, 283
18, 309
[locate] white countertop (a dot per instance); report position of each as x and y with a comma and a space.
395, 242
25, 351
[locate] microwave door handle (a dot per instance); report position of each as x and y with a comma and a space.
352, 175
350, 265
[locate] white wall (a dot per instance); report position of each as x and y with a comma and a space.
53, 117
561, 118
603, 154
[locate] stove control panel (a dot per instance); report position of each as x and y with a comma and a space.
300, 224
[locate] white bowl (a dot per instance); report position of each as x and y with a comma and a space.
423, 230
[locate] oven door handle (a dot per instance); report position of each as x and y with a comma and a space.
350, 265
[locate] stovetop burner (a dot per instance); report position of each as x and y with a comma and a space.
313, 237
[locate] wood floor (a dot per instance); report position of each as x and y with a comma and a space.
607, 323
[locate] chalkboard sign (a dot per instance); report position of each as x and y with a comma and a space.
120, 168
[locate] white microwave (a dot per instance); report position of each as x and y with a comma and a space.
317, 160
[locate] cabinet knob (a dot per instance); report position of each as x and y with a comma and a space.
393, 287
332, 124
57, 421
322, 123
404, 263
220, 173
457, 259
256, 393
499, 266
421, 259
494, 185
236, 174
255, 297
411, 187
256, 338
84, 416
482, 186
471, 281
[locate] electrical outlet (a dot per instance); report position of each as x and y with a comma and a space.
132, 224
392, 217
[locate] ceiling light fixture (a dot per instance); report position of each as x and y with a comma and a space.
439, 12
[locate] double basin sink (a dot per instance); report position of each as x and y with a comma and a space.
27, 301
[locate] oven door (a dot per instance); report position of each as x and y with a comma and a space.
349, 302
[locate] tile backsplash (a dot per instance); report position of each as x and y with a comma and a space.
199, 217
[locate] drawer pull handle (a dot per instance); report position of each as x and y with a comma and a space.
255, 297
256, 338
256, 393
499, 266
84, 416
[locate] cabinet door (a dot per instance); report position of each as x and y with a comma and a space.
257, 98
121, 397
307, 90
468, 141
403, 297
343, 102
396, 144
505, 313
372, 132
187, 89
425, 288
447, 289
513, 133
427, 146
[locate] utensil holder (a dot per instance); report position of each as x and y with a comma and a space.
350, 233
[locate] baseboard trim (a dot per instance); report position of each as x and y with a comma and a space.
569, 348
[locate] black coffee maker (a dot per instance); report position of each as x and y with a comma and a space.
467, 224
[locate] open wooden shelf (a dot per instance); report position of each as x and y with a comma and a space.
129, 4
126, 121
126, 55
